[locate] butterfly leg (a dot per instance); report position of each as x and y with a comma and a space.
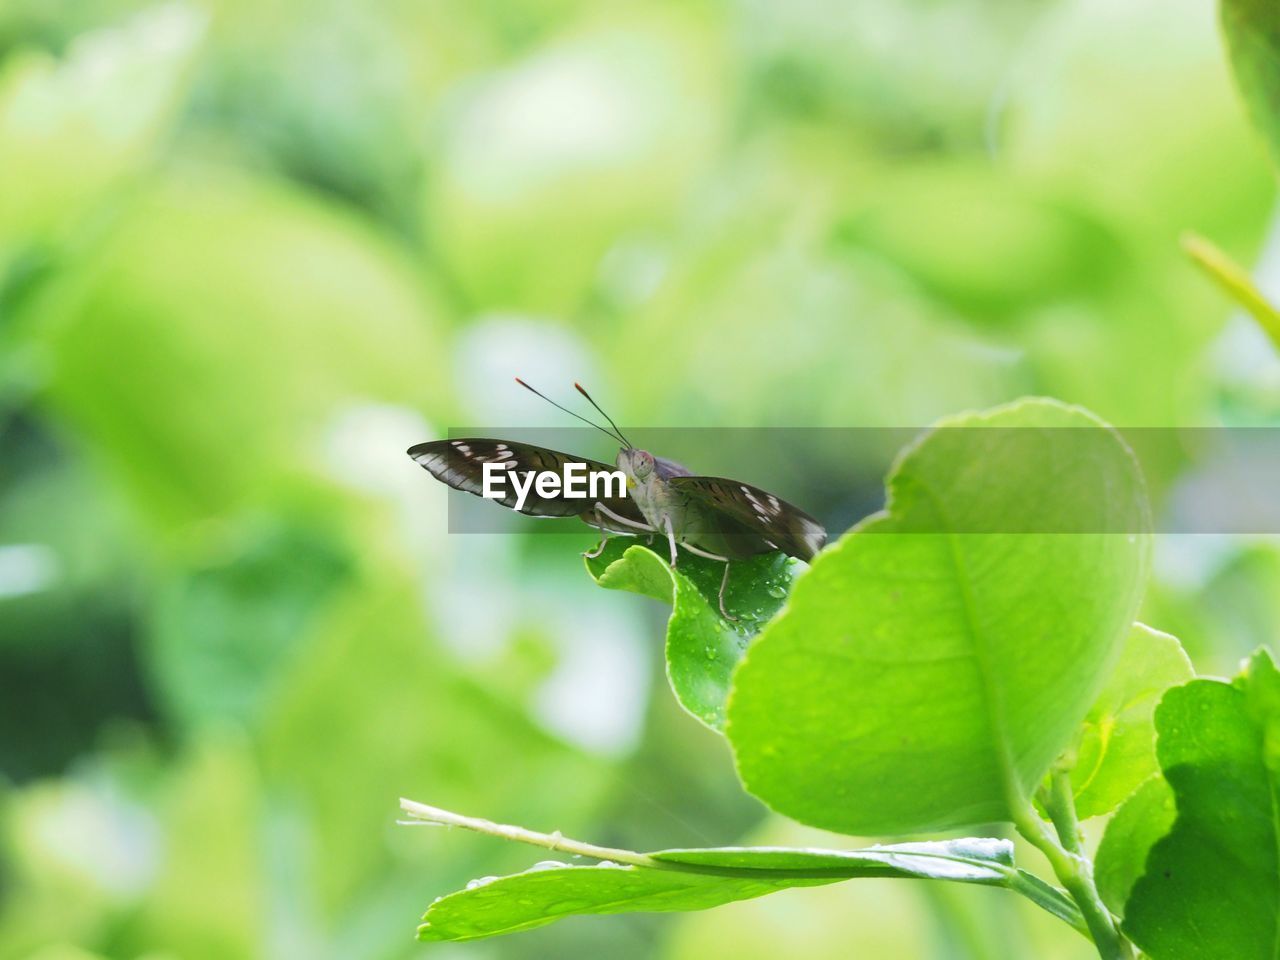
671, 539
724, 580
604, 540
602, 510
601, 514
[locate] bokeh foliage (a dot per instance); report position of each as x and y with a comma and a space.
250, 252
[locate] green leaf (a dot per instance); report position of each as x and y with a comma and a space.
924, 675
974, 859
1122, 856
1252, 29
1212, 885
1116, 750
702, 646
537, 897
698, 879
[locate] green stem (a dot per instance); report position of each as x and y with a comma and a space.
1070, 866
424, 813
1233, 279
1060, 803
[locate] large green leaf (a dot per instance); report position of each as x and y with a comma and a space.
926, 673
1212, 885
1116, 750
698, 879
1252, 28
702, 646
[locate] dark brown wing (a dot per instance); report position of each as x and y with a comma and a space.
460, 464
766, 515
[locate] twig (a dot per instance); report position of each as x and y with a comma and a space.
1073, 870
550, 841
1233, 279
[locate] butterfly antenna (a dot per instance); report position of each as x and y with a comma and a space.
616, 436
578, 387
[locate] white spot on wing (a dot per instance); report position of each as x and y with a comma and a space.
813, 536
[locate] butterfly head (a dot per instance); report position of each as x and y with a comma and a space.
636, 464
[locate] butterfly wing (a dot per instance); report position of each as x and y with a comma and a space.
742, 507
460, 464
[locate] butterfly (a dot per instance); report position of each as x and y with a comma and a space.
711, 517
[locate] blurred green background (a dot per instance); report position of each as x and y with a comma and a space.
250, 252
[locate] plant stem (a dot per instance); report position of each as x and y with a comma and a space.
551, 841
1070, 866
1060, 803
1233, 279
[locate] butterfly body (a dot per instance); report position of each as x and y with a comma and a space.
676, 513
